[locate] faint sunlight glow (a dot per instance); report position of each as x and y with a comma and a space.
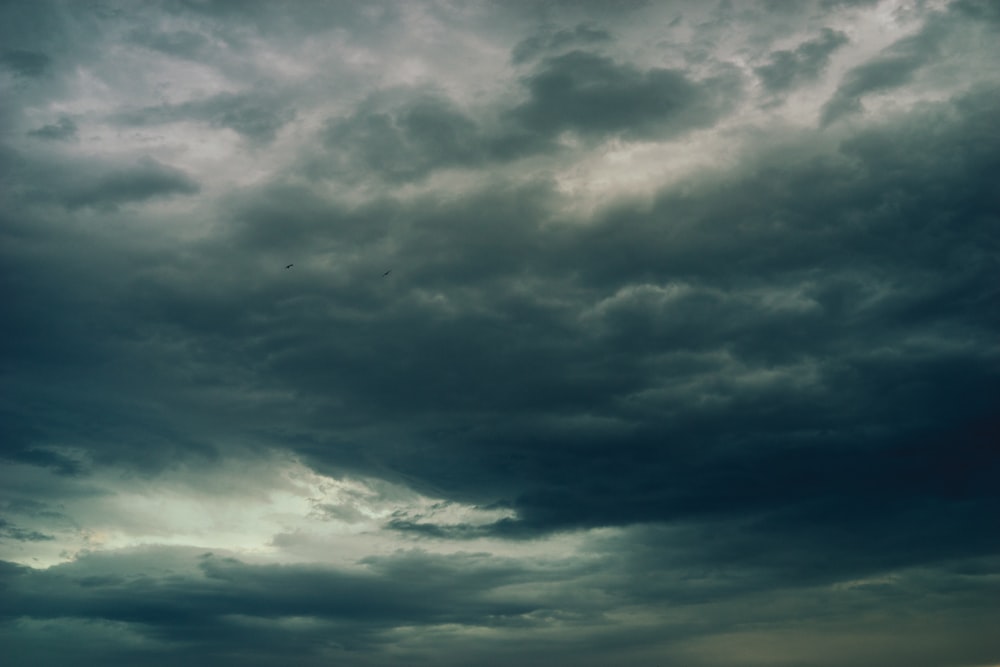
252, 513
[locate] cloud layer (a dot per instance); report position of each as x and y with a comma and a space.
646, 334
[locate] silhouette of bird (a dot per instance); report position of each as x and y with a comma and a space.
387, 273
289, 266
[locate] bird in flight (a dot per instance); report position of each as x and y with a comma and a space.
289, 266
387, 273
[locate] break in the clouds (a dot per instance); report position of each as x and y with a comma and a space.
457, 333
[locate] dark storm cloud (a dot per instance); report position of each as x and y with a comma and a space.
749, 412
13, 532
254, 117
806, 62
29, 64
834, 4
426, 133
675, 333
211, 600
64, 130
580, 91
955, 295
179, 43
894, 67
448, 532
215, 610
978, 9
147, 179
555, 41
556, 400
58, 463
265, 18
594, 95
849, 284
95, 183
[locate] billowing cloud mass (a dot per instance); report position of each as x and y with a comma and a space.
479, 333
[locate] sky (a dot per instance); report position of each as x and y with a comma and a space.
612, 333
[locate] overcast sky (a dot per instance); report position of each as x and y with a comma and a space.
616, 333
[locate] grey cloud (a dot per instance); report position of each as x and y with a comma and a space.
345, 513
59, 463
12, 532
282, 220
807, 61
678, 319
95, 183
199, 602
582, 34
579, 91
978, 9
749, 412
882, 74
30, 64
834, 4
894, 67
504, 528
64, 130
405, 143
212, 609
250, 118
264, 18
652, 330
180, 43
149, 179
254, 117
594, 95
409, 140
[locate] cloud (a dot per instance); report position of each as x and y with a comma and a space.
217, 597
700, 317
98, 183
977, 9
834, 4
181, 603
59, 463
532, 400
806, 62
149, 179
419, 136
894, 67
64, 130
581, 92
548, 42
179, 43
28, 64
12, 532
254, 117
663, 373
594, 95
